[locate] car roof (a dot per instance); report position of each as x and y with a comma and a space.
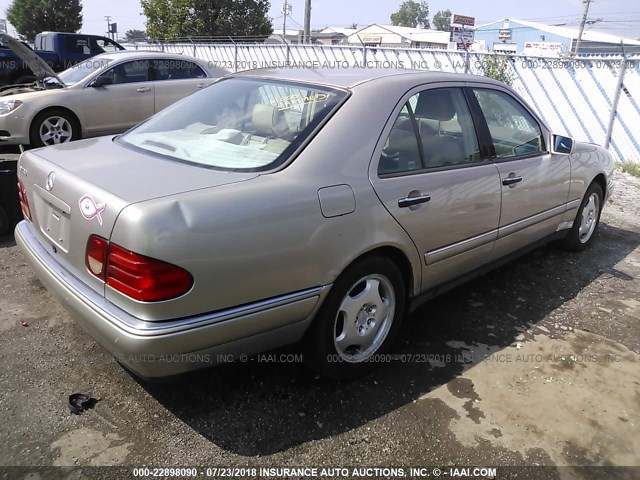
142, 53
351, 77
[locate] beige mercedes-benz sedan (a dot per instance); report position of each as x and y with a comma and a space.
103, 95
285, 205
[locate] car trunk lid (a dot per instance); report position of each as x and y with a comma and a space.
77, 190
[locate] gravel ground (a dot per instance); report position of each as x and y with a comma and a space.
535, 363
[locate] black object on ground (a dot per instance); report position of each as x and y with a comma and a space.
10, 212
79, 402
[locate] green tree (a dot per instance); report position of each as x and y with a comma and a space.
442, 20
135, 35
173, 19
497, 67
412, 14
30, 17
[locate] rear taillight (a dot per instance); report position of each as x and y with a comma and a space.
24, 201
96, 260
137, 276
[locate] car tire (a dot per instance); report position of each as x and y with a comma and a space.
358, 320
585, 225
4, 222
52, 127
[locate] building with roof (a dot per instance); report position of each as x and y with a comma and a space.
332, 35
537, 39
377, 35
282, 36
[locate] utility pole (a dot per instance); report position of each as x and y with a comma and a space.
108, 19
286, 10
584, 21
307, 21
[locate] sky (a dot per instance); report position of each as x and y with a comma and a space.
619, 17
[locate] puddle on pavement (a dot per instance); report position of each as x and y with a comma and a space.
577, 397
85, 446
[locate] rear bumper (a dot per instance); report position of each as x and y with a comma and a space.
161, 349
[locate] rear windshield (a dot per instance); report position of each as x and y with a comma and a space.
237, 124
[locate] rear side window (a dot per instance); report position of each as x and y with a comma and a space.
513, 129
103, 45
434, 129
176, 69
77, 45
401, 152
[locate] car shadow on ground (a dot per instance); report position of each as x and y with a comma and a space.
261, 408
7, 240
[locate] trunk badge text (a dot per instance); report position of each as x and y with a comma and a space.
23, 171
90, 209
51, 179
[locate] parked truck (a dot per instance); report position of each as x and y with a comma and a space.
60, 50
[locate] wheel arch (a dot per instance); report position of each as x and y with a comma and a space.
399, 258
74, 117
602, 181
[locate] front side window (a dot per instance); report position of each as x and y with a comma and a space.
129, 72
513, 129
434, 129
237, 124
82, 70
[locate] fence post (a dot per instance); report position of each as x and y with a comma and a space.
614, 103
235, 55
466, 59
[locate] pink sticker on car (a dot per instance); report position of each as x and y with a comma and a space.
90, 209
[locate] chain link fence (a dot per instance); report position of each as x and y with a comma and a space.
593, 98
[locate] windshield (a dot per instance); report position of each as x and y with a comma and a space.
237, 124
78, 72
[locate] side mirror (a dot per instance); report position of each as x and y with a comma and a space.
101, 81
562, 145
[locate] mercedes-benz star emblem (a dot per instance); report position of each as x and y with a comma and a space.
51, 178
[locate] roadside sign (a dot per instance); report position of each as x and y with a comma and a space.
543, 49
461, 35
464, 20
504, 34
377, 39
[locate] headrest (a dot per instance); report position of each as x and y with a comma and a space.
435, 105
267, 120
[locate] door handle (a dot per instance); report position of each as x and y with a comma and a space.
411, 201
511, 180
143, 89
